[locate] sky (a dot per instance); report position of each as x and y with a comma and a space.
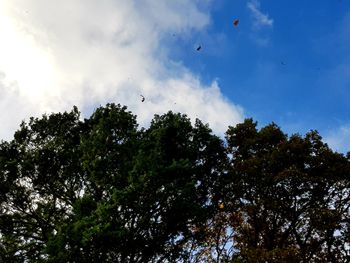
286, 62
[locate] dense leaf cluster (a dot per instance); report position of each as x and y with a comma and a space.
103, 190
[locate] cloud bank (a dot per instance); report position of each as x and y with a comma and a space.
58, 54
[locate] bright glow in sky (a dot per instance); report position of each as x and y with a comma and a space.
287, 62
23, 61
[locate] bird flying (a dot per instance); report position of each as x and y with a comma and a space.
142, 98
199, 48
236, 22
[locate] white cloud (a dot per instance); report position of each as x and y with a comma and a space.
260, 19
85, 52
13, 106
339, 139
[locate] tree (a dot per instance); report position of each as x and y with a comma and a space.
287, 197
102, 189
41, 182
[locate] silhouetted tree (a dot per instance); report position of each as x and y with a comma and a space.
102, 189
287, 197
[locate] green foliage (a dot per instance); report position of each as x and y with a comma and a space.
101, 189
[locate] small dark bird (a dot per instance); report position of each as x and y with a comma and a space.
199, 48
283, 63
236, 22
142, 98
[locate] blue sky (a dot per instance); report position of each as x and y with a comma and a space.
295, 72
286, 62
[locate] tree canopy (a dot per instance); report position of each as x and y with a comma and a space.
104, 190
